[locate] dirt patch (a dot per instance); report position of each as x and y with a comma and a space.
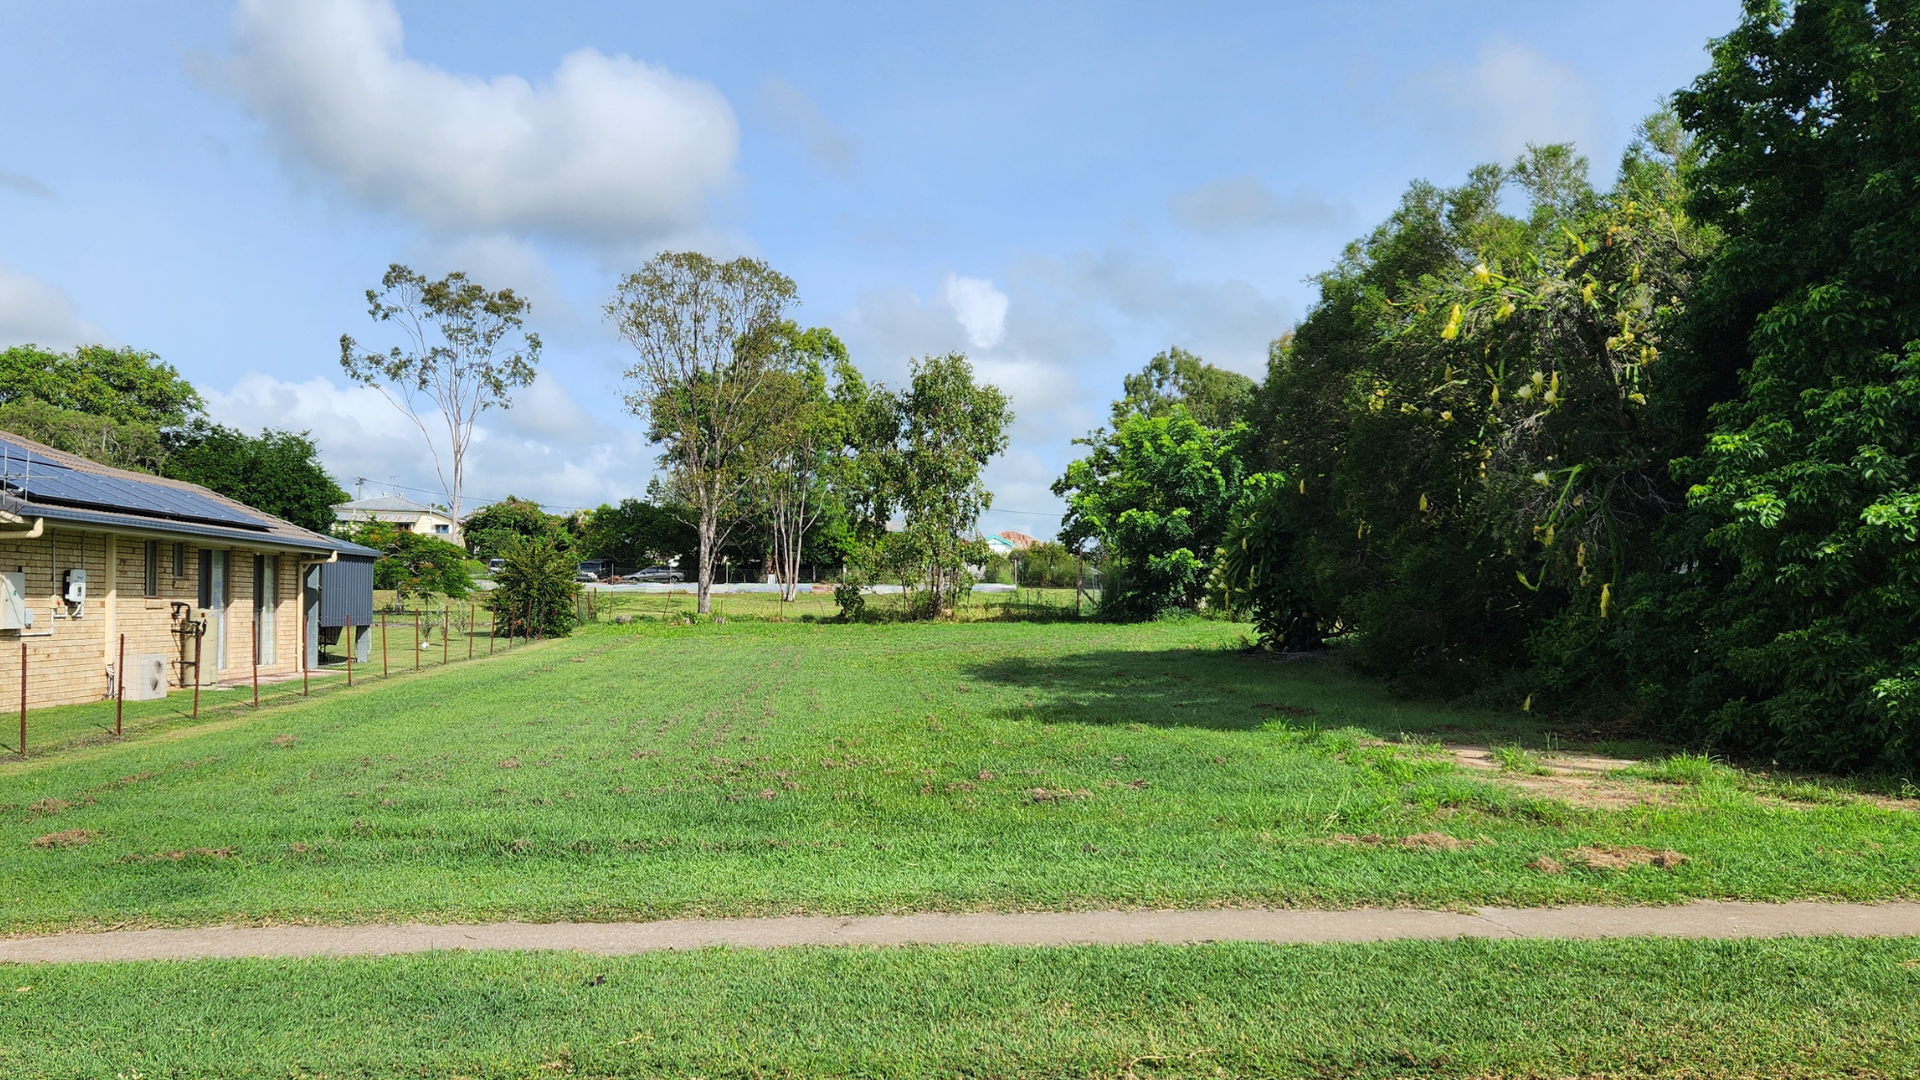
1584, 780
176, 856
1426, 841
1041, 795
1546, 865
49, 805
1608, 857
284, 740
510, 763
64, 838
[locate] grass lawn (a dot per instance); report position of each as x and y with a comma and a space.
1788, 1008
756, 767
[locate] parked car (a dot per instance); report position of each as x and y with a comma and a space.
596, 569
494, 565
656, 573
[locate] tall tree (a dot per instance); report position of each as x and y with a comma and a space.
466, 351
710, 357
817, 425
1215, 397
489, 531
949, 428
126, 385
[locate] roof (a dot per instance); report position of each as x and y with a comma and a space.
1019, 540
38, 481
387, 504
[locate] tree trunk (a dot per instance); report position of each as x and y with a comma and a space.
703, 603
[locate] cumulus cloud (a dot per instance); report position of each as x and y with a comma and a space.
981, 309
785, 108
547, 447
1511, 95
607, 149
32, 311
1243, 203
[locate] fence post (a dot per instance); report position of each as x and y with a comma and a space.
446, 627
23, 699
383, 646
493, 627
473, 623
256, 659
120, 687
416, 641
200, 645
350, 651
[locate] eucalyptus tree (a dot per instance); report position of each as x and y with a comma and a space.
467, 349
709, 377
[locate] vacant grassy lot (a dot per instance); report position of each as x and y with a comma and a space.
648, 770
1791, 1008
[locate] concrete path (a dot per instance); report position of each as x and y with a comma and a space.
1701, 919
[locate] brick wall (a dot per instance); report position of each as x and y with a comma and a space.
69, 658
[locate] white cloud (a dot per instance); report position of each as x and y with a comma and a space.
1241, 203
546, 447
607, 149
785, 108
981, 309
1511, 95
34, 312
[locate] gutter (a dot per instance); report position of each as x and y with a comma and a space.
39, 528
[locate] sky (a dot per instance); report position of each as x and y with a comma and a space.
1058, 190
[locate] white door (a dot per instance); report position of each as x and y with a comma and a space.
217, 613
266, 591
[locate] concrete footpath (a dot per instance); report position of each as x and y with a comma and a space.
1700, 919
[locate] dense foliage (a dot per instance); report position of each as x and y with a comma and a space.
125, 385
492, 529
534, 593
412, 564
637, 533
275, 471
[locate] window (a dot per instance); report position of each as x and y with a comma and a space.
206, 578
153, 568
443, 529
179, 560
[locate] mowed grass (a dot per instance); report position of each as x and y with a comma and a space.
1786, 1008
757, 768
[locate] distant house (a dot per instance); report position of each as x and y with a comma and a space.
1009, 542
198, 586
402, 511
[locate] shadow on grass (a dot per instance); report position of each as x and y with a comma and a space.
1231, 690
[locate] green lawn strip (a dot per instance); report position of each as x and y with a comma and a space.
1780, 1008
760, 768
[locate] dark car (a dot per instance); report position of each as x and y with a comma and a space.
595, 570
656, 573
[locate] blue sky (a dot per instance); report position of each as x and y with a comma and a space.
1060, 190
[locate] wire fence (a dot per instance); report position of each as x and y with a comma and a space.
399, 642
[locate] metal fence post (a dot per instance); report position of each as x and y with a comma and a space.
120, 687
473, 623
256, 661
416, 641
23, 699
446, 628
493, 627
199, 647
383, 646
350, 651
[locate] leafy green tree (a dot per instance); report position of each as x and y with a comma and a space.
534, 593
1214, 397
125, 385
492, 529
1156, 495
276, 471
129, 444
467, 350
711, 358
1809, 488
637, 533
949, 427
817, 425
412, 564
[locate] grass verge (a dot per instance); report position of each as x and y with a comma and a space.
1785, 1008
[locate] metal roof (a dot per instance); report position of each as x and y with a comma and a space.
390, 504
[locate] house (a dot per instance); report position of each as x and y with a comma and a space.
1009, 543
198, 585
401, 511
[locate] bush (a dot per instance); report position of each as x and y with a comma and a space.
534, 594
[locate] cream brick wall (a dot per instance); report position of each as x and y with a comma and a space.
69, 659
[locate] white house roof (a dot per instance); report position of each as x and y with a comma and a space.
384, 504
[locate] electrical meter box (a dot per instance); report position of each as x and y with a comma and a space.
76, 587
14, 613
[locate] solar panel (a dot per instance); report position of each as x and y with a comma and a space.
40, 478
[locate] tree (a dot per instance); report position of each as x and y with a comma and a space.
277, 471
130, 444
1214, 397
710, 355
534, 592
636, 533
822, 393
456, 358
949, 428
493, 528
1156, 495
412, 564
126, 385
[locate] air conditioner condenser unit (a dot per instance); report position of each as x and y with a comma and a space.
147, 677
